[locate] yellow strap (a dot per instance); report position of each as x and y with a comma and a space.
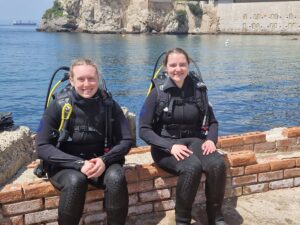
65, 114
155, 75
51, 92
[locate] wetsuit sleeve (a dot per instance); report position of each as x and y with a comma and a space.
46, 140
212, 126
122, 137
146, 124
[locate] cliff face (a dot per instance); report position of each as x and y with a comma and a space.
129, 16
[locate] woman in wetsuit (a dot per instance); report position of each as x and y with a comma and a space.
82, 158
171, 122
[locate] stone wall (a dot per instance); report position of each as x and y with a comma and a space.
16, 150
281, 17
257, 162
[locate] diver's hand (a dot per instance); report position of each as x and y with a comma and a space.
87, 166
180, 152
208, 147
98, 168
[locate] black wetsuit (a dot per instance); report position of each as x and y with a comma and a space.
87, 130
183, 126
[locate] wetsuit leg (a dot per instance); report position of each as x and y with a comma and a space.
189, 171
215, 169
116, 195
73, 186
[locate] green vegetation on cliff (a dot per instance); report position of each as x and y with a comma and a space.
196, 10
181, 16
54, 12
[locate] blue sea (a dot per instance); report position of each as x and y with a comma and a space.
253, 80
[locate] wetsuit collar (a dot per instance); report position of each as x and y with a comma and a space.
85, 101
169, 83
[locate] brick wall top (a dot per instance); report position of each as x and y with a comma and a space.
291, 132
241, 163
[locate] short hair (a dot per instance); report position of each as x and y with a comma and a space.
176, 50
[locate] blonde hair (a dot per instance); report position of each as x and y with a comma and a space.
82, 61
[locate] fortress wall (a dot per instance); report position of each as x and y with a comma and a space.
259, 17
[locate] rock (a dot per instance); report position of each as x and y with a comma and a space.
16, 149
119, 16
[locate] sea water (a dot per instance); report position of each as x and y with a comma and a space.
253, 80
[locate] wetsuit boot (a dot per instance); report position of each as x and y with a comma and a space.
214, 190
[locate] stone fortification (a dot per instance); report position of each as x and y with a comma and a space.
241, 16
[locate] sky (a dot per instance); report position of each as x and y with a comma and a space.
11, 10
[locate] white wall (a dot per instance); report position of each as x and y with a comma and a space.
259, 17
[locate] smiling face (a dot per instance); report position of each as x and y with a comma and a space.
85, 80
177, 67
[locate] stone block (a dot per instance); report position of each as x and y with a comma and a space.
269, 176
41, 216
133, 199
256, 188
16, 150
282, 164
231, 141
11, 193
22, 207
265, 147
292, 173
243, 180
237, 171
140, 209
286, 142
155, 195
297, 182
257, 168
248, 147
233, 192
140, 186
287, 183
254, 138
14, 220
291, 132
242, 158
39, 189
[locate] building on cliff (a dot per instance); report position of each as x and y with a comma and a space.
254, 16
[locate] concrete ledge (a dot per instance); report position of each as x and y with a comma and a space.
152, 190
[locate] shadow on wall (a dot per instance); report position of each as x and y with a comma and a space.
199, 215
